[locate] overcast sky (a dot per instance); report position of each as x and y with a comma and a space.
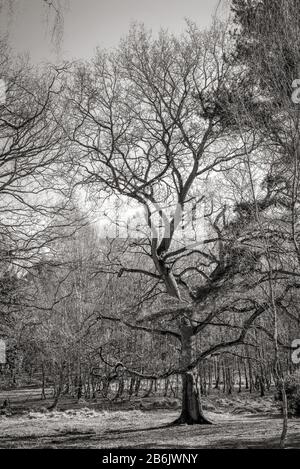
91, 23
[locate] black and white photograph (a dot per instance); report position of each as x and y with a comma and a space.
149, 228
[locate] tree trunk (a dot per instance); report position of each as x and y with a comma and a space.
43, 396
191, 412
240, 377
217, 372
137, 387
166, 387
150, 390
246, 377
58, 390
285, 414
131, 387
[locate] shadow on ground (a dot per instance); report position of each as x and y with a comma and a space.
259, 433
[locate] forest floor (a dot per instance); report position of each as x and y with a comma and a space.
240, 421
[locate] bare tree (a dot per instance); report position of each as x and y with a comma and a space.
149, 127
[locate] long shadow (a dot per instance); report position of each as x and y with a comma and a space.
146, 429
151, 446
55, 435
293, 442
262, 415
169, 425
50, 439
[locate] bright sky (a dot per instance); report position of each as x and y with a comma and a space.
92, 23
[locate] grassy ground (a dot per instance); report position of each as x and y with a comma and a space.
241, 421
